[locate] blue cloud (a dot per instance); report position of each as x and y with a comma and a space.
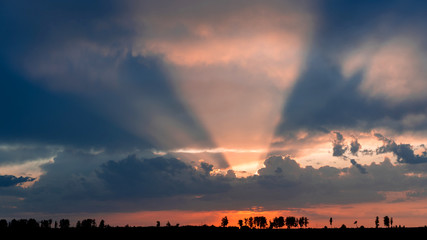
9, 180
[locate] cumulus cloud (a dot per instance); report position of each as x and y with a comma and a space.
136, 183
158, 177
404, 152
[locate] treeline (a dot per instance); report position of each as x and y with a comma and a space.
49, 224
261, 222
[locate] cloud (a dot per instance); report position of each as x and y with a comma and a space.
343, 88
355, 147
403, 152
358, 166
339, 147
137, 183
81, 86
128, 77
158, 177
9, 180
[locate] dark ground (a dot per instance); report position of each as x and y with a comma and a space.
207, 232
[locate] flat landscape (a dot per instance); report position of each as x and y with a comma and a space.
211, 231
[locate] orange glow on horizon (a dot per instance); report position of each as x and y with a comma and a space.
409, 214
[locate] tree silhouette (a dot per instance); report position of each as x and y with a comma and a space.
305, 221
64, 223
291, 222
391, 222
386, 221
240, 222
46, 223
260, 221
301, 222
3, 224
330, 222
251, 222
224, 221
377, 222
278, 222
102, 224
32, 223
158, 224
88, 223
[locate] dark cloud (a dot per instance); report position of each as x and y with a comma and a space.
338, 143
355, 147
403, 152
134, 183
358, 166
158, 177
9, 180
77, 83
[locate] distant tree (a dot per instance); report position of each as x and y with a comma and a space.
330, 222
240, 223
46, 223
343, 226
301, 222
278, 222
291, 222
3, 224
88, 223
386, 221
168, 224
78, 224
64, 223
305, 221
260, 221
251, 222
56, 224
158, 224
355, 223
224, 221
391, 222
246, 221
101, 224
32, 223
377, 222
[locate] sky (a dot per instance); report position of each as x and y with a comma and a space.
187, 111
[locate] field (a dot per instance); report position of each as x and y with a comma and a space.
206, 231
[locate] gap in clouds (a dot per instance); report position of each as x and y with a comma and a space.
232, 67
